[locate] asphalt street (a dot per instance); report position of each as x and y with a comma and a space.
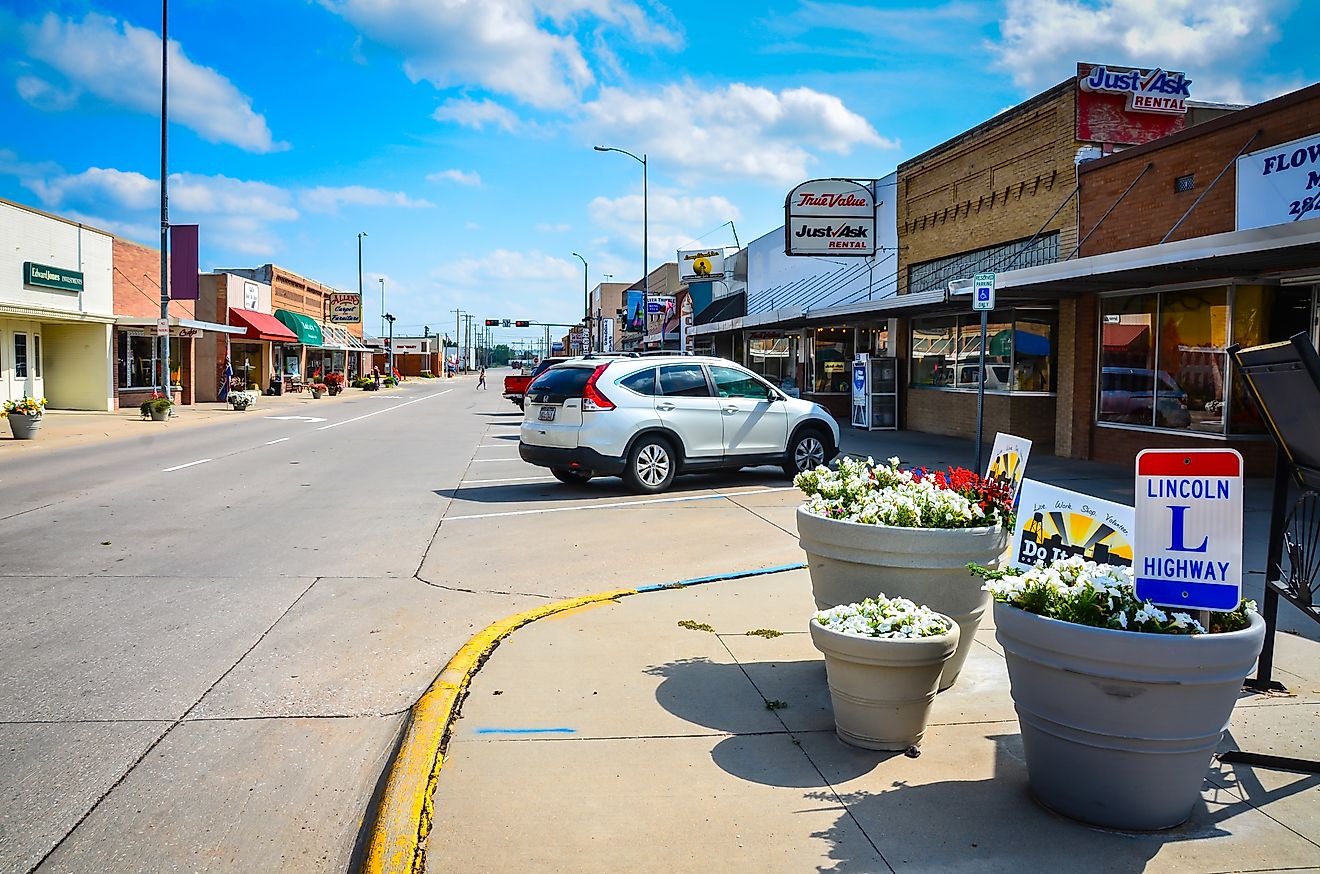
211, 637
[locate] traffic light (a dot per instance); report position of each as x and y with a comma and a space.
492, 323
522, 323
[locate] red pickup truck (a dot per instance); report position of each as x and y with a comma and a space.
515, 385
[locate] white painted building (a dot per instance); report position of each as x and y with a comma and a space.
56, 310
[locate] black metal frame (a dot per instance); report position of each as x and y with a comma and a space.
1295, 531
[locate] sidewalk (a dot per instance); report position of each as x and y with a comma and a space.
65, 428
611, 739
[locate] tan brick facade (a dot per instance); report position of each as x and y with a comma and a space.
996, 183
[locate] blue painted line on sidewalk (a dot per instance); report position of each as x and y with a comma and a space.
525, 731
716, 578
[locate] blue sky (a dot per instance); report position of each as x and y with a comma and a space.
458, 134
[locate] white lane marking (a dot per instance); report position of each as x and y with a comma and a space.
386, 410
182, 466
312, 419
273, 442
591, 507
511, 479
510, 458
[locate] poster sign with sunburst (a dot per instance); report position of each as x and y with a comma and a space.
1008, 461
1054, 523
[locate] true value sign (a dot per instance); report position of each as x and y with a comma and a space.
1187, 544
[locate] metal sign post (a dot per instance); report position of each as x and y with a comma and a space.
983, 301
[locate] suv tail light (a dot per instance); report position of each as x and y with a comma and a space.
592, 399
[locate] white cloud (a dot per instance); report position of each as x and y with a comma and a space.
120, 63
236, 215
476, 114
1041, 40
673, 220
502, 46
329, 200
548, 228
509, 283
459, 177
737, 130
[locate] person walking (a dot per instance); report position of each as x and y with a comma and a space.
481, 378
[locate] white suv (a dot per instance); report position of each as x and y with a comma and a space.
648, 419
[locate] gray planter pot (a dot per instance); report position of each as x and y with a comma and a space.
849, 561
882, 689
25, 427
1119, 727
316, 395
159, 415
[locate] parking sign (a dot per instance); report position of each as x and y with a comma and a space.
983, 288
1188, 538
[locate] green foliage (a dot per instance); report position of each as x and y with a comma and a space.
767, 633
693, 625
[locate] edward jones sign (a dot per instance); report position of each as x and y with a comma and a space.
1280, 184
830, 217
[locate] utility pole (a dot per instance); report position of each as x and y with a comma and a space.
458, 333
164, 197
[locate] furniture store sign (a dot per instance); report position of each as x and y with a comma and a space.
1280, 184
830, 217
700, 265
45, 276
345, 308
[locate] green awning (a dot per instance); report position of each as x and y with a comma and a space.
308, 331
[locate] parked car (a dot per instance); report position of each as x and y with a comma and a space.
648, 419
515, 384
1140, 396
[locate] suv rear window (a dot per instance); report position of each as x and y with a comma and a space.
642, 382
558, 383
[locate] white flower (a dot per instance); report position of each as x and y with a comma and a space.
884, 618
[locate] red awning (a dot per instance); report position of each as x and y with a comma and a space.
261, 326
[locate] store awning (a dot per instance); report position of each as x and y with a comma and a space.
260, 326
337, 337
178, 325
305, 327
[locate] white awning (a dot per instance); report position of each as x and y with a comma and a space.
178, 325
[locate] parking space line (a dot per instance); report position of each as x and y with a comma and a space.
273, 442
182, 466
386, 410
510, 458
510, 479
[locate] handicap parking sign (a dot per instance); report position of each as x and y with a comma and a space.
983, 297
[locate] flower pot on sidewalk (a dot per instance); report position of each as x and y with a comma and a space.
849, 561
1119, 725
316, 395
25, 427
882, 686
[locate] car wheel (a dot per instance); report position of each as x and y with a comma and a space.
807, 452
651, 466
571, 477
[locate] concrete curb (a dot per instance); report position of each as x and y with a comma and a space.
402, 819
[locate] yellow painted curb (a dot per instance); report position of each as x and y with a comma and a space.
403, 818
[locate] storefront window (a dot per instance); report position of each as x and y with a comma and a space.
775, 357
933, 351
138, 362
1127, 359
245, 358
1264, 315
36, 355
832, 352
20, 356
1163, 359
946, 352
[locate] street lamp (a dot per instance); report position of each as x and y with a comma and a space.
360, 236
646, 277
382, 304
389, 318
586, 301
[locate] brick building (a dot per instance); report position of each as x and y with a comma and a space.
1181, 257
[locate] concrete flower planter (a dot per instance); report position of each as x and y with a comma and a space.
159, 415
849, 561
25, 427
882, 688
1119, 727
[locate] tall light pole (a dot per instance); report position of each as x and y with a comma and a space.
458, 333
586, 302
360, 236
382, 304
389, 318
164, 198
646, 274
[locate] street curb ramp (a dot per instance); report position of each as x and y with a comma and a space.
402, 820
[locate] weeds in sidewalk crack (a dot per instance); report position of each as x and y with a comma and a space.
775, 704
693, 625
767, 633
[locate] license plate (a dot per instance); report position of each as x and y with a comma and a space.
547, 414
